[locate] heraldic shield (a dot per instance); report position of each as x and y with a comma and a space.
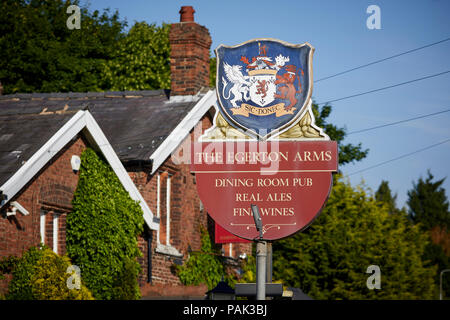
264, 85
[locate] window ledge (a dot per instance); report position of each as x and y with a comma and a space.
168, 250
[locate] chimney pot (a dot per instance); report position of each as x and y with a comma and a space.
187, 14
189, 55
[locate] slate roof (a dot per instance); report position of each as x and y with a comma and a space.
134, 122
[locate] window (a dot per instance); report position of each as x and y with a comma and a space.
158, 203
42, 226
168, 210
164, 179
55, 232
52, 230
227, 249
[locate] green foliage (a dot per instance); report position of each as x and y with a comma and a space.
212, 72
428, 203
205, 266
124, 287
20, 287
385, 198
436, 256
141, 61
38, 53
49, 280
249, 270
429, 208
384, 194
102, 230
330, 259
41, 275
8, 264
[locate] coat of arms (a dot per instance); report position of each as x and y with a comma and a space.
267, 122
263, 85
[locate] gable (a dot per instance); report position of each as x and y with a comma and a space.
83, 122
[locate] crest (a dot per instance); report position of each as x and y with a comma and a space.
263, 85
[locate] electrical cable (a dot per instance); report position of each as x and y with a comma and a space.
381, 60
400, 157
384, 88
139, 138
398, 122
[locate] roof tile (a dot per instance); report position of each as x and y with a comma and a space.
135, 127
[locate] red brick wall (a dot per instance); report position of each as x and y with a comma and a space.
185, 215
48, 239
186, 218
189, 58
50, 190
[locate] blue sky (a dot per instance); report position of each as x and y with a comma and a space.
338, 31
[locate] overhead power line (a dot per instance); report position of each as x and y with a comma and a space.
139, 138
381, 60
384, 88
400, 157
398, 122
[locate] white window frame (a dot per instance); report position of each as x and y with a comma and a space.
42, 226
158, 203
55, 231
168, 186
166, 248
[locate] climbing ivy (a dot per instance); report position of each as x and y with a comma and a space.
102, 230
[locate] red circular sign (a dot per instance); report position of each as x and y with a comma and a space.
289, 182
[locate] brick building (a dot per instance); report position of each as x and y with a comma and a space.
41, 136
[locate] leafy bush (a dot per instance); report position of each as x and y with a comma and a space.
20, 287
50, 277
141, 60
330, 259
125, 285
205, 266
7, 264
249, 270
41, 275
102, 230
40, 54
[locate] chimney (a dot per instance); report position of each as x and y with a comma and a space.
189, 57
